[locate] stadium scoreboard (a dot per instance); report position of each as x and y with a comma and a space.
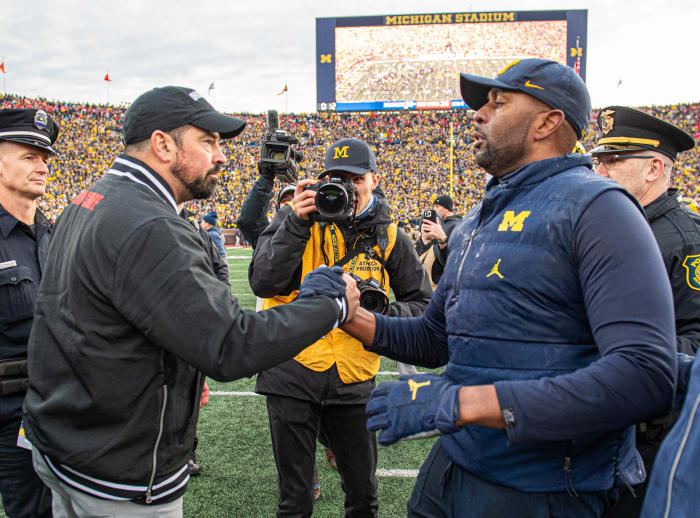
413, 61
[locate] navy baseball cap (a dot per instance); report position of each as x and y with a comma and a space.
170, 107
349, 155
556, 85
28, 126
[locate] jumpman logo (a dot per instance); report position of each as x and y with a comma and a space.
413, 386
494, 270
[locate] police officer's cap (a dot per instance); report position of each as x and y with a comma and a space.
170, 107
349, 155
625, 129
28, 126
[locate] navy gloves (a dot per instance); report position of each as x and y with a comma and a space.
329, 282
415, 404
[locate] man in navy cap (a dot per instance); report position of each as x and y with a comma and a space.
130, 318
210, 223
638, 151
557, 336
26, 140
327, 385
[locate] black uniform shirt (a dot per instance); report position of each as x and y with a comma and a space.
22, 256
677, 231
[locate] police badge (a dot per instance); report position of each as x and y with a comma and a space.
692, 267
41, 119
607, 121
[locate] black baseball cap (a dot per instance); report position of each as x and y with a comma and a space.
29, 126
170, 107
349, 155
556, 85
625, 129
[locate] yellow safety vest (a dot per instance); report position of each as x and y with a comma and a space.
354, 363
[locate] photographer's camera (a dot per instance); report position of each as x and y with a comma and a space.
278, 156
372, 297
335, 199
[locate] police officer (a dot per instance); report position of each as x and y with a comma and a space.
26, 137
638, 151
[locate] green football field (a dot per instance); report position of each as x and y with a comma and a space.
239, 478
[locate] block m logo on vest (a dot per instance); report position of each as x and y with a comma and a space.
513, 222
340, 152
692, 268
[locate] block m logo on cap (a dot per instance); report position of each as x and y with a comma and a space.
340, 152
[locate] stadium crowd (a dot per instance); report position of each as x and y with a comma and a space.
412, 150
382, 62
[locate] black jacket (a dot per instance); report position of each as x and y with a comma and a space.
253, 216
677, 231
276, 270
129, 317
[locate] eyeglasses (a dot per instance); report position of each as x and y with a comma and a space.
609, 160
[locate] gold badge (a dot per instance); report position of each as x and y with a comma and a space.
607, 121
692, 271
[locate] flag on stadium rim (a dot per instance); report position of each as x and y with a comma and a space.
285, 89
211, 87
107, 77
2, 66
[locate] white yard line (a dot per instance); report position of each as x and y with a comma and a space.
223, 393
397, 473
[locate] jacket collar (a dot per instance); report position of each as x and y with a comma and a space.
535, 172
661, 205
129, 167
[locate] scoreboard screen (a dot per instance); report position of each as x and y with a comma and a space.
413, 61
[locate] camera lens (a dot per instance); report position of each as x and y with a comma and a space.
370, 301
331, 200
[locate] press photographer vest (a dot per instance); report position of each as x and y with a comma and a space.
354, 363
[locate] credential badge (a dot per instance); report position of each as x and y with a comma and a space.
607, 121
41, 119
692, 267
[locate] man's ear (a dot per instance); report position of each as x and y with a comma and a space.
163, 146
655, 169
546, 123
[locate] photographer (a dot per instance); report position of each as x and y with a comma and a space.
329, 382
435, 231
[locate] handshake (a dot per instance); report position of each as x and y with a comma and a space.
336, 284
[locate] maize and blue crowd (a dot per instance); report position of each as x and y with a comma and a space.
412, 150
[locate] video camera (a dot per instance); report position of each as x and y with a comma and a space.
278, 154
334, 199
372, 297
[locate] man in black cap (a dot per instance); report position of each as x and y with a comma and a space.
557, 337
638, 151
327, 385
26, 137
130, 317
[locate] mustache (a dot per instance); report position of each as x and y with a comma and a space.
215, 170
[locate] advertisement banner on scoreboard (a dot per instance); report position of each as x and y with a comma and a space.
413, 61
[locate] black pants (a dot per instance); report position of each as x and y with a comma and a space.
294, 426
24, 495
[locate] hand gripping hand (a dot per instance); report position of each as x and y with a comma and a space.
413, 405
332, 283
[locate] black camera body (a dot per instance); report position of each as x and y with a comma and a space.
372, 297
430, 215
335, 199
278, 152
